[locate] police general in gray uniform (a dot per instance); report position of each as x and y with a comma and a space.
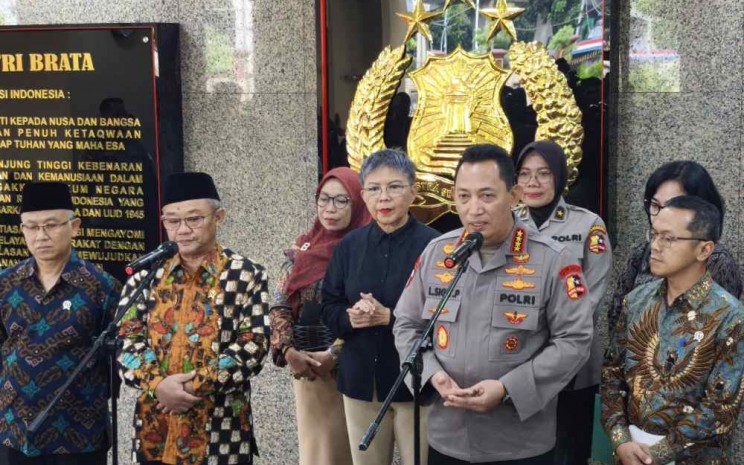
542, 173
515, 333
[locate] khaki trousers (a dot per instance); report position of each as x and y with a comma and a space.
396, 428
321, 424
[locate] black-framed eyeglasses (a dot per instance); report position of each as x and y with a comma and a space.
652, 207
48, 228
340, 201
192, 222
667, 240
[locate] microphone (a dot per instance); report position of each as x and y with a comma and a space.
472, 243
162, 252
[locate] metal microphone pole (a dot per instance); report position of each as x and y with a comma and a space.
101, 341
413, 363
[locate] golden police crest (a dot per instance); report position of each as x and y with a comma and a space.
459, 106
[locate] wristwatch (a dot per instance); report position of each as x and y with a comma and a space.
507, 400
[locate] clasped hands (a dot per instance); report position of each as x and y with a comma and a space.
309, 365
176, 394
482, 397
368, 312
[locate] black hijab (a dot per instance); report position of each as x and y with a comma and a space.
553, 155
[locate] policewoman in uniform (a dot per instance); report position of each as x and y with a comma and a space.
516, 331
542, 174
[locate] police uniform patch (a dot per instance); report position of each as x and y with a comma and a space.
597, 242
515, 318
433, 310
448, 248
572, 274
445, 278
519, 284
521, 258
518, 239
440, 264
416, 266
442, 337
511, 343
520, 270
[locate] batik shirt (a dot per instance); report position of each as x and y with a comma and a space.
675, 371
215, 323
44, 335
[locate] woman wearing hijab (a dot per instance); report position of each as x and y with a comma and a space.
542, 172
298, 338
681, 177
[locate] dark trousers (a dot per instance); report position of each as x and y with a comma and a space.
10, 456
435, 458
575, 420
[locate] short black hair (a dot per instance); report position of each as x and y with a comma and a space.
706, 222
693, 177
485, 152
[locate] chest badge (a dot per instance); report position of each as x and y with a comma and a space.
511, 343
445, 278
515, 318
443, 339
520, 270
448, 248
433, 310
67, 305
521, 258
519, 284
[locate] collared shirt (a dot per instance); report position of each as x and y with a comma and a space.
675, 371
522, 317
372, 261
44, 336
214, 323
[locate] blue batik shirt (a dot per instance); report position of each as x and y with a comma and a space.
43, 336
676, 371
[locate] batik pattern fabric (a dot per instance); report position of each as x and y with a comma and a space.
722, 266
285, 309
44, 336
214, 323
675, 371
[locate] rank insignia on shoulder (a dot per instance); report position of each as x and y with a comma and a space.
442, 337
522, 211
521, 258
511, 343
445, 278
520, 270
560, 213
515, 318
518, 239
518, 284
575, 288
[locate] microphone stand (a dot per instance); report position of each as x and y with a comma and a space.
106, 340
414, 364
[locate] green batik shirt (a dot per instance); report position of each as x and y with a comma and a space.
675, 371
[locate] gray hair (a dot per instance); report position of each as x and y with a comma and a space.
393, 159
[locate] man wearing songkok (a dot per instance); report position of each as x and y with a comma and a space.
515, 332
52, 306
195, 339
671, 384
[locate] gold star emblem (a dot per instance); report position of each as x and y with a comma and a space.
469, 2
417, 20
502, 17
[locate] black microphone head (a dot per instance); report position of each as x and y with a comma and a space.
169, 248
476, 238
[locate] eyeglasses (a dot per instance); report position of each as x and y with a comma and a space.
667, 240
192, 222
652, 207
339, 201
542, 176
393, 190
48, 228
